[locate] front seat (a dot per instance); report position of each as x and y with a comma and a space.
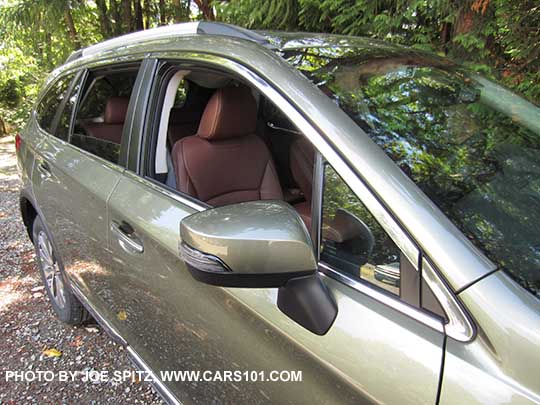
226, 162
302, 160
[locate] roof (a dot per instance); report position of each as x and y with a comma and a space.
172, 31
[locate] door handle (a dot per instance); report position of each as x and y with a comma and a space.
44, 168
126, 237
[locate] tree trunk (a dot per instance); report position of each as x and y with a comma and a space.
114, 6
162, 16
179, 15
126, 16
104, 22
147, 14
138, 15
205, 6
68, 18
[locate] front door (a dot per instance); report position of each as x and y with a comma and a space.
379, 348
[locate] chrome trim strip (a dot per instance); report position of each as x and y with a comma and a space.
388, 300
162, 188
162, 390
316, 204
111, 330
459, 326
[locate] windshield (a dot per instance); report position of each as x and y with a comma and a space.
472, 146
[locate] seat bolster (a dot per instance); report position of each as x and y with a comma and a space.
183, 182
304, 210
270, 187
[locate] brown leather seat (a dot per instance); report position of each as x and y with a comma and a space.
302, 159
113, 121
183, 122
226, 162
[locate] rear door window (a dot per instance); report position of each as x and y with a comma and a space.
99, 122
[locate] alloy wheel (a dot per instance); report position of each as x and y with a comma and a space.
51, 270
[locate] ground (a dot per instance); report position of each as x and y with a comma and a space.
28, 326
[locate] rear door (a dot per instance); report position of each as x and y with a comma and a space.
77, 171
381, 348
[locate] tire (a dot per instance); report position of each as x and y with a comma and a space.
65, 304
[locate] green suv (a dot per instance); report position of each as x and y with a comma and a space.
360, 216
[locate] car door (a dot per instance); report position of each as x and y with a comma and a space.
379, 349
74, 176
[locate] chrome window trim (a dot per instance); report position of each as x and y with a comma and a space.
459, 326
385, 219
393, 302
166, 191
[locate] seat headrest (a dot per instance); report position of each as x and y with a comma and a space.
116, 110
230, 112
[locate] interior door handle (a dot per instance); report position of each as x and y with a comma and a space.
126, 237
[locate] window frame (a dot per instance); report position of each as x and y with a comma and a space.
60, 108
459, 326
84, 73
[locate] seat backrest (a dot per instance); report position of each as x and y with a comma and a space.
113, 121
183, 122
302, 159
226, 162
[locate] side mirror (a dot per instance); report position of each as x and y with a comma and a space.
259, 244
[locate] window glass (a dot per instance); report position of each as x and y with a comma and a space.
471, 145
100, 119
64, 122
353, 241
48, 107
181, 94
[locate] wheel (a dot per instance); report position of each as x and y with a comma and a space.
65, 304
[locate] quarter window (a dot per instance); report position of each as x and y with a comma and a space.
355, 244
353, 241
50, 103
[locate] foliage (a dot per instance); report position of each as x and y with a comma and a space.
499, 38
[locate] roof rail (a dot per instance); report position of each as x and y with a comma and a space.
176, 30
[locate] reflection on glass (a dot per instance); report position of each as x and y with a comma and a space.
353, 241
469, 144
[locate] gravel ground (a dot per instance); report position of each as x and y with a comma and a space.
28, 326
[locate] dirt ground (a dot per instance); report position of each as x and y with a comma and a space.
28, 326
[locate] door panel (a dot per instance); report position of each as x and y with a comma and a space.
72, 195
371, 354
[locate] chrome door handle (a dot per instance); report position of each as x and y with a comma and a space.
44, 168
126, 238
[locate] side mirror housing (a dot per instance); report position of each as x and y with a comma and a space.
259, 244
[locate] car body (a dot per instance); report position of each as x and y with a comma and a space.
469, 334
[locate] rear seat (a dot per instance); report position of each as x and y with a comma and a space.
183, 121
113, 121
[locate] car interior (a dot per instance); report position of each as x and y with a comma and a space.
221, 142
